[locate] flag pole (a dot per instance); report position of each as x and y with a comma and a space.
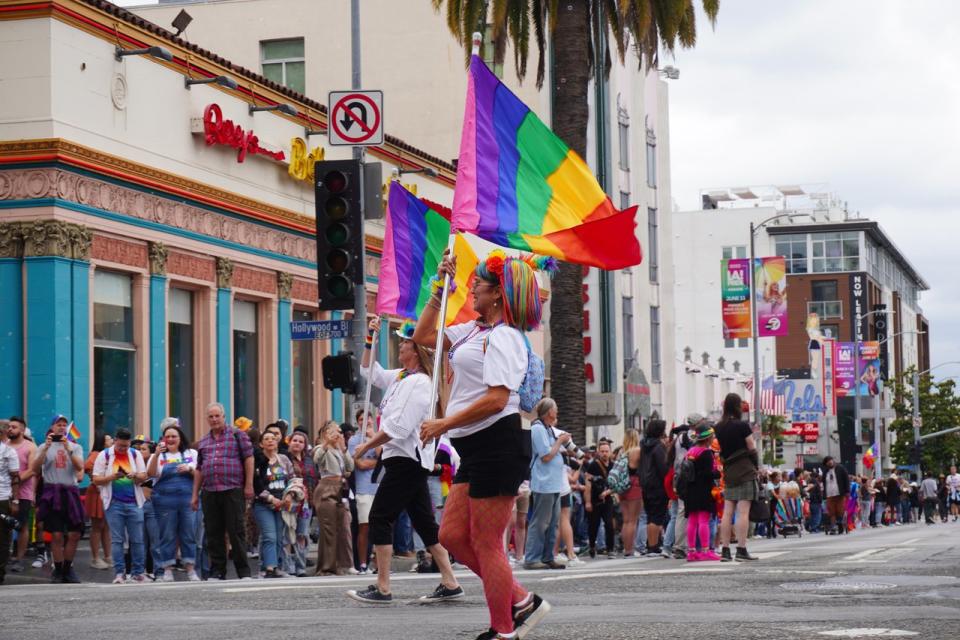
438, 352
366, 394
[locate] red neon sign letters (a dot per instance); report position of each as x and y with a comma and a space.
216, 130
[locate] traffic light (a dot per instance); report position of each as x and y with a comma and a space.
339, 212
778, 449
916, 453
339, 372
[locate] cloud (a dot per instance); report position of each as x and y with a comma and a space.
861, 95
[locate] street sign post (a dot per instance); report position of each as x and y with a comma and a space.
355, 118
320, 330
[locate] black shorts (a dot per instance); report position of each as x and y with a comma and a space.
566, 501
496, 460
403, 487
655, 505
58, 521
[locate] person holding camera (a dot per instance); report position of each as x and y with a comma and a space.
598, 500
547, 482
118, 471
9, 502
60, 462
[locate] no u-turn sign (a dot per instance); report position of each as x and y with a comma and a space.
355, 118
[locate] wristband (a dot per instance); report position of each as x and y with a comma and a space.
436, 285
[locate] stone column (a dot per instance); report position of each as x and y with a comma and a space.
225, 335
157, 253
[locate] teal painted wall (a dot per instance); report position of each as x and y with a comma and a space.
284, 360
158, 353
11, 336
224, 363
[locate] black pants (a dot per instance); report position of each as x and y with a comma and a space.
4, 540
402, 488
602, 511
929, 508
223, 514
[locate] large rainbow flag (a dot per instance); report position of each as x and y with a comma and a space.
416, 236
870, 457
520, 186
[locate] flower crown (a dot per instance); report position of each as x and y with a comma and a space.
497, 260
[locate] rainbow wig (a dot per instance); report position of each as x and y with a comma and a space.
517, 279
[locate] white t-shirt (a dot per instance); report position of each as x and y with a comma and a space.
953, 482
9, 462
406, 404
502, 364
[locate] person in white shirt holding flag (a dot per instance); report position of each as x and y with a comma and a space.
406, 463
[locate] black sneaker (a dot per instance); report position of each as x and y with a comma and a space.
56, 576
553, 564
742, 554
725, 555
271, 573
490, 634
528, 616
15, 566
70, 576
371, 595
593, 552
442, 594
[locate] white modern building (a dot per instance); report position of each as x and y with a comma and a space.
839, 266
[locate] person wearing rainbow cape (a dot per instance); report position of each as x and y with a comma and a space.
405, 405
488, 358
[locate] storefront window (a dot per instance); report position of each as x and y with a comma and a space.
114, 353
180, 365
245, 360
303, 389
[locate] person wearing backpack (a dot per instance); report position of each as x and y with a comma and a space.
491, 363
547, 481
630, 495
697, 474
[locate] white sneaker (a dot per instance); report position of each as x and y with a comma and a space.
352, 571
560, 558
120, 579
167, 576
575, 562
193, 577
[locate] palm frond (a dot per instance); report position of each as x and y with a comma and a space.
617, 31
539, 19
688, 27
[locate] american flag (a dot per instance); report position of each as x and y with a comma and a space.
773, 404
748, 384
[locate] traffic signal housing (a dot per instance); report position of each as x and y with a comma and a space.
339, 214
340, 372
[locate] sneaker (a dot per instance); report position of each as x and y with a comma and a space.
39, 561
167, 577
666, 553
709, 556
370, 595
533, 566
151, 577
352, 571
363, 570
529, 615
56, 576
119, 579
694, 556
271, 573
725, 555
192, 576
653, 552
490, 634
679, 554
100, 563
253, 553
560, 558
138, 579
15, 566
553, 564
575, 562
70, 576
442, 594
593, 553
611, 556
742, 554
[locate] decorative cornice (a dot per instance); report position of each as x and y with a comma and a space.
224, 273
57, 149
157, 253
284, 285
11, 240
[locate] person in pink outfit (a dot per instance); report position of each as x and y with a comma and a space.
699, 503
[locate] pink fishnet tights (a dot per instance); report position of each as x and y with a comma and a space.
472, 530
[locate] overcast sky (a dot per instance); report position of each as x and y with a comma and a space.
863, 95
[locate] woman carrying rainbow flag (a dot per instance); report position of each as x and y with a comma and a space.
488, 358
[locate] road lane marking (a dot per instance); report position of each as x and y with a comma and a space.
863, 554
868, 633
651, 572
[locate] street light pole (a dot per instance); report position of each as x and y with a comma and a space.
758, 416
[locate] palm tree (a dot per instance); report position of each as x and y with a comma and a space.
650, 26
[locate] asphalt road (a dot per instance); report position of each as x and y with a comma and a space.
894, 582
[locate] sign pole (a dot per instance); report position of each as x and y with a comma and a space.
360, 292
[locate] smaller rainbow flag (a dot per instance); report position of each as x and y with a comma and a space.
73, 434
870, 456
415, 238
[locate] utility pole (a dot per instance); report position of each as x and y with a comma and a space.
916, 421
359, 293
757, 379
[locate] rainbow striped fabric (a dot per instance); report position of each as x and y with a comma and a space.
73, 434
416, 236
520, 186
